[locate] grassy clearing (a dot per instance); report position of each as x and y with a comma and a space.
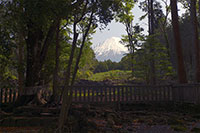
111, 75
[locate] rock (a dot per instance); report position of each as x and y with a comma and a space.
92, 113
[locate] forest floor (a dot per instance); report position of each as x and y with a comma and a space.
110, 118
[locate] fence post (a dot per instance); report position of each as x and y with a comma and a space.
127, 92
105, 93
174, 95
131, 94
114, 98
110, 95
1, 96
92, 94
88, 94
177, 93
6, 96
10, 95
101, 95
198, 94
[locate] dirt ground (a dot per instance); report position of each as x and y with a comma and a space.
116, 118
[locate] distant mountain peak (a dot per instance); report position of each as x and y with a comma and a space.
111, 49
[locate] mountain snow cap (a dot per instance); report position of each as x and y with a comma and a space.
111, 49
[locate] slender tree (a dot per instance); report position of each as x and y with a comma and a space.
151, 33
181, 67
126, 17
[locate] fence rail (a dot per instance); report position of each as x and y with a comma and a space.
123, 94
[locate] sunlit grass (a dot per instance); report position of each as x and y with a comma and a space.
113, 74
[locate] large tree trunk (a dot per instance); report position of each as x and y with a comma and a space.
20, 64
36, 54
152, 50
181, 67
196, 37
55, 97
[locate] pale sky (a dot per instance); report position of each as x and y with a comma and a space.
115, 29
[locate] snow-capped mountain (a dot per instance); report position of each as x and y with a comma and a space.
111, 49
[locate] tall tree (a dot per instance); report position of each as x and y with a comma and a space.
181, 67
126, 17
103, 13
55, 96
194, 21
40, 19
151, 33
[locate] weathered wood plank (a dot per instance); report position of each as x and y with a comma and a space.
97, 94
80, 94
134, 93
127, 94
84, 94
106, 94
118, 94
75, 95
147, 94
122, 89
88, 94
92, 94
139, 94
114, 96
6, 96
165, 93
10, 95
1, 96
101, 89
131, 94
110, 94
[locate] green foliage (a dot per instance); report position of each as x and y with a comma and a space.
163, 66
7, 47
113, 74
125, 15
108, 65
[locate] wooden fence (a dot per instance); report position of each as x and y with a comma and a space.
123, 94
8, 95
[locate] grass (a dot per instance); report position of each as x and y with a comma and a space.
111, 75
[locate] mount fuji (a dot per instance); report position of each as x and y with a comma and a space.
111, 49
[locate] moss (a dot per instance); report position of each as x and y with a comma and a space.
179, 128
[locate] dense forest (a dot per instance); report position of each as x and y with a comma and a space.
47, 43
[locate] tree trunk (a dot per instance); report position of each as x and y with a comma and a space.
129, 30
196, 37
152, 50
181, 67
81, 50
36, 54
65, 99
20, 65
199, 7
55, 96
